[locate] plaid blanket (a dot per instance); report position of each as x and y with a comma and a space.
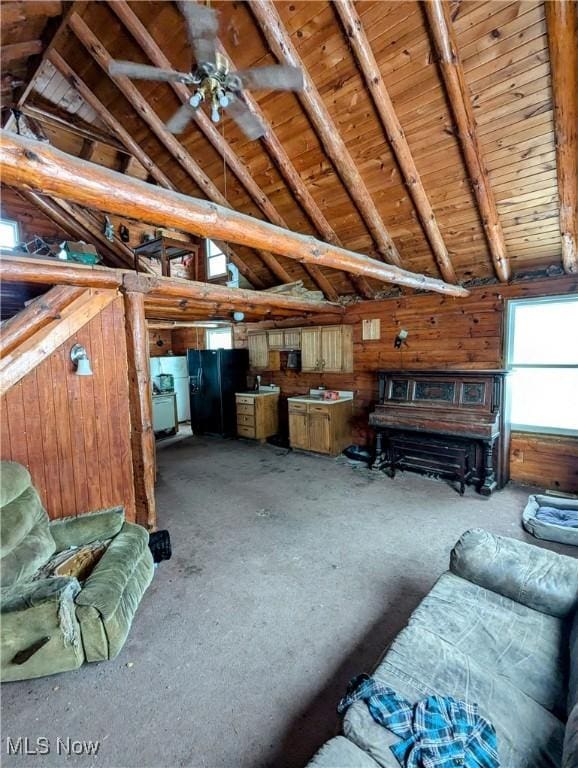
437, 731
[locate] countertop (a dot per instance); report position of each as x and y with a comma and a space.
318, 400
257, 394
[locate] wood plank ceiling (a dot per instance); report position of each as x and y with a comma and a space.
503, 48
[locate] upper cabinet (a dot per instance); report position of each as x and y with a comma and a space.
258, 349
324, 349
327, 349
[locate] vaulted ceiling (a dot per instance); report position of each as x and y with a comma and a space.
503, 48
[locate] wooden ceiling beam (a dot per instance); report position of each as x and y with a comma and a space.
281, 45
30, 164
561, 24
16, 51
444, 39
156, 125
24, 269
194, 305
137, 29
135, 149
294, 181
395, 135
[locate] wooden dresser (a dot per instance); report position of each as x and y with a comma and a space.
442, 422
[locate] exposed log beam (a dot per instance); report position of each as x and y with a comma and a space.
135, 149
193, 305
176, 149
140, 404
295, 183
23, 269
40, 312
137, 29
37, 347
452, 70
328, 132
30, 164
561, 22
17, 51
395, 135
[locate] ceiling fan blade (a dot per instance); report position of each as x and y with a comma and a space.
145, 72
202, 27
245, 119
276, 77
179, 121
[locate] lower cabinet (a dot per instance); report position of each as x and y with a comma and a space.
320, 427
257, 416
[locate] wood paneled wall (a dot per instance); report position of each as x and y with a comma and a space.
443, 333
31, 221
73, 432
176, 340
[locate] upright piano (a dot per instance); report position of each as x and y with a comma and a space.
448, 423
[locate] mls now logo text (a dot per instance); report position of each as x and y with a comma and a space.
44, 746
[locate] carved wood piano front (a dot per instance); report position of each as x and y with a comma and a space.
445, 423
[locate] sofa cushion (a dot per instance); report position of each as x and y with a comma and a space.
15, 479
111, 594
342, 753
84, 529
573, 679
420, 663
26, 543
527, 648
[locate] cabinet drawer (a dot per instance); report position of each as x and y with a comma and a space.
297, 407
246, 431
323, 409
245, 408
245, 420
245, 400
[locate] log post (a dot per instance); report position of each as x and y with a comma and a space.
395, 135
561, 22
26, 163
452, 70
140, 403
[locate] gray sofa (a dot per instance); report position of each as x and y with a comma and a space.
500, 628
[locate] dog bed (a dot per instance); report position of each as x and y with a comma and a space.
552, 519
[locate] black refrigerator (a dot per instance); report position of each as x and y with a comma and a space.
214, 377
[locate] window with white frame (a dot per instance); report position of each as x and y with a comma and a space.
219, 338
216, 261
542, 355
9, 237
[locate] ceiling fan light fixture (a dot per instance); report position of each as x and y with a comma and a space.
196, 99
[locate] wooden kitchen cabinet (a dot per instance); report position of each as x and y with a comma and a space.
327, 349
292, 338
320, 427
276, 339
258, 349
257, 415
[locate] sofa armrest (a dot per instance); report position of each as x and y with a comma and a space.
84, 529
40, 633
528, 574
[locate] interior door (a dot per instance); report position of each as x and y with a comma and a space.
331, 349
319, 432
310, 349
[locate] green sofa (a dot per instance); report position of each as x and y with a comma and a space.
52, 624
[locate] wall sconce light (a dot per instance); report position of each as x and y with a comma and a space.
400, 338
80, 360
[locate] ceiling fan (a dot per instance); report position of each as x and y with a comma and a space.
211, 80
